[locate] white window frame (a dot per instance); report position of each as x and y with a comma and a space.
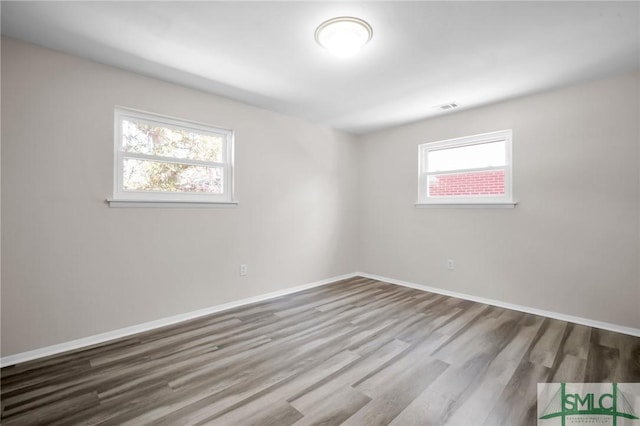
122, 198
506, 200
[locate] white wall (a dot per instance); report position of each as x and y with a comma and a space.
572, 243
73, 267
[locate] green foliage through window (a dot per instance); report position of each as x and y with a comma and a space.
145, 175
164, 156
143, 138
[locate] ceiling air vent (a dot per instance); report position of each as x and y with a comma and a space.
446, 107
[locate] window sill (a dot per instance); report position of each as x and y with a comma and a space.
498, 205
170, 204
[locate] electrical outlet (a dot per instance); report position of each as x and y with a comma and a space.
243, 270
450, 264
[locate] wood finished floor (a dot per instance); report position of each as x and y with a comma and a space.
356, 352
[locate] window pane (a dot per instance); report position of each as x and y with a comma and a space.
467, 157
145, 175
143, 138
490, 183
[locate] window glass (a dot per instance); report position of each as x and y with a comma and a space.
467, 157
166, 159
468, 170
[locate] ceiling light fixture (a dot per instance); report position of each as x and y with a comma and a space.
343, 36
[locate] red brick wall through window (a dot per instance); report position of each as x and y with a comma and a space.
467, 184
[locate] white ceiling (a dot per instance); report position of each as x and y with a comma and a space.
422, 54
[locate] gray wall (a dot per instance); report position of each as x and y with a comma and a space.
314, 203
73, 267
571, 245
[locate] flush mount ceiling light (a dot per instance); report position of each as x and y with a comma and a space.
343, 36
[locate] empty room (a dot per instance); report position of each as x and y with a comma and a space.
304, 213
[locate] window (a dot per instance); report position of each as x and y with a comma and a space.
166, 160
473, 170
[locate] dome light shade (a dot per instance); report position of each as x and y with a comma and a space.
343, 36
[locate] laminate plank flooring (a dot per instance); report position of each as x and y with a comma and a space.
355, 352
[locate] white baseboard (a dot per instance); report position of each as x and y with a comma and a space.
163, 322
127, 331
555, 315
